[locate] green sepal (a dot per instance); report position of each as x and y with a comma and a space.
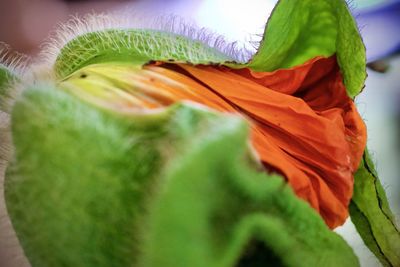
89, 187
372, 217
75, 186
216, 210
134, 46
7, 78
298, 31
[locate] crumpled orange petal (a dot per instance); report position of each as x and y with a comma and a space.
304, 125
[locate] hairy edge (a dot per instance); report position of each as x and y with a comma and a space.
78, 26
17, 64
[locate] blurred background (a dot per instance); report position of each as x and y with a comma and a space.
24, 24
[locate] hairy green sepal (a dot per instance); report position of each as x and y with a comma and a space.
296, 31
89, 187
134, 46
370, 213
300, 30
7, 78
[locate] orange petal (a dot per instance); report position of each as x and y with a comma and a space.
303, 123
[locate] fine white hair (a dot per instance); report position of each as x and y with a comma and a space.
98, 23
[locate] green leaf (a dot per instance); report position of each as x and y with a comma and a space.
298, 31
88, 187
370, 213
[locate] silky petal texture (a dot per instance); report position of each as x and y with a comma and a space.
304, 125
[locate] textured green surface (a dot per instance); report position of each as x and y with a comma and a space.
219, 207
372, 217
296, 31
76, 189
5, 76
6, 79
133, 45
300, 30
93, 188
